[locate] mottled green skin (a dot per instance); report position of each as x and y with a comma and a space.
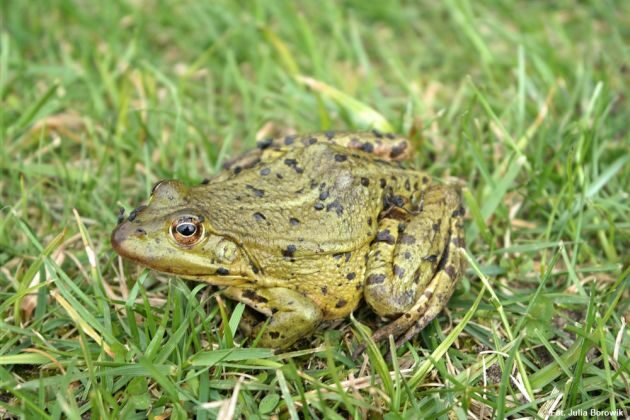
301, 228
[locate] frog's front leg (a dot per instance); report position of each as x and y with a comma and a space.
414, 264
291, 315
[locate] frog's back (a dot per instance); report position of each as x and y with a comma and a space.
317, 199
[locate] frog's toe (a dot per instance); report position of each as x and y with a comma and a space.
288, 325
425, 309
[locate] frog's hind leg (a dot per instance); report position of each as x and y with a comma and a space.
291, 315
432, 300
412, 274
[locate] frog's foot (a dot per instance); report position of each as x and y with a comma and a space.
291, 315
413, 267
249, 320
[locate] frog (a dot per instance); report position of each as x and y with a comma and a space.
304, 228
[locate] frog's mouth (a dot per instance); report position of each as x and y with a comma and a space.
216, 280
131, 242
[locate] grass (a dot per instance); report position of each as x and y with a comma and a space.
525, 102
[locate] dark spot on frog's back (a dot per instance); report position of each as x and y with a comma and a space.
318, 206
336, 206
274, 334
292, 163
407, 240
265, 171
375, 279
377, 134
329, 134
257, 191
221, 271
259, 217
398, 149
340, 158
263, 144
351, 276
393, 200
341, 303
324, 290
399, 271
450, 270
459, 212
293, 221
367, 147
288, 140
289, 252
365, 182
385, 236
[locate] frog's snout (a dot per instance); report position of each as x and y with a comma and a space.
124, 237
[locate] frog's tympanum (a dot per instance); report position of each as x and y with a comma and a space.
301, 228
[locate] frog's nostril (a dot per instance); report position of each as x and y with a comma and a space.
141, 232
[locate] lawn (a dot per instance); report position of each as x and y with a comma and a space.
525, 102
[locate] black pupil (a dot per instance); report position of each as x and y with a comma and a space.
186, 229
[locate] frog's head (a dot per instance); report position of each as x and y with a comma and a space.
172, 235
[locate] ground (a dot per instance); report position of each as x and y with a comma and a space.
525, 102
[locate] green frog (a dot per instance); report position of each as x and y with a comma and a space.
303, 227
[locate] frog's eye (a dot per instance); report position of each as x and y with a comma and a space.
187, 230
